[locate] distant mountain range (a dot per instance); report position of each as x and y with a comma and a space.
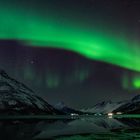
67, 110
104, 107
16, 98
131, 106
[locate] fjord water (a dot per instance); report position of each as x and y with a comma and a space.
81, 128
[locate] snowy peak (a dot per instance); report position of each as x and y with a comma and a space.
102, 104
130, 107
67, 110
5, 79
104, 107
136, 99
60, 105
127, 106
15, 97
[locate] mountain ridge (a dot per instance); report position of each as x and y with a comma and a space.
17, 98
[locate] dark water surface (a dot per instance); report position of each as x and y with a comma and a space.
82, 128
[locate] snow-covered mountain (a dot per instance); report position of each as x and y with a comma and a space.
104, 107
67, 110
16, 98
130, 107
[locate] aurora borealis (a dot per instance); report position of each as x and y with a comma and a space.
97, 30
34, 29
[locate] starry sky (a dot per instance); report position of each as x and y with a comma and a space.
77, 51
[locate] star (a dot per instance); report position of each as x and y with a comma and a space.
32, 62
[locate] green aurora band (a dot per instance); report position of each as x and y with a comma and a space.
35, 29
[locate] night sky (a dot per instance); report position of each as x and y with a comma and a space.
80, 52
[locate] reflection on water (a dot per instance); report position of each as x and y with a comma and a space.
84, 128
126, 134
